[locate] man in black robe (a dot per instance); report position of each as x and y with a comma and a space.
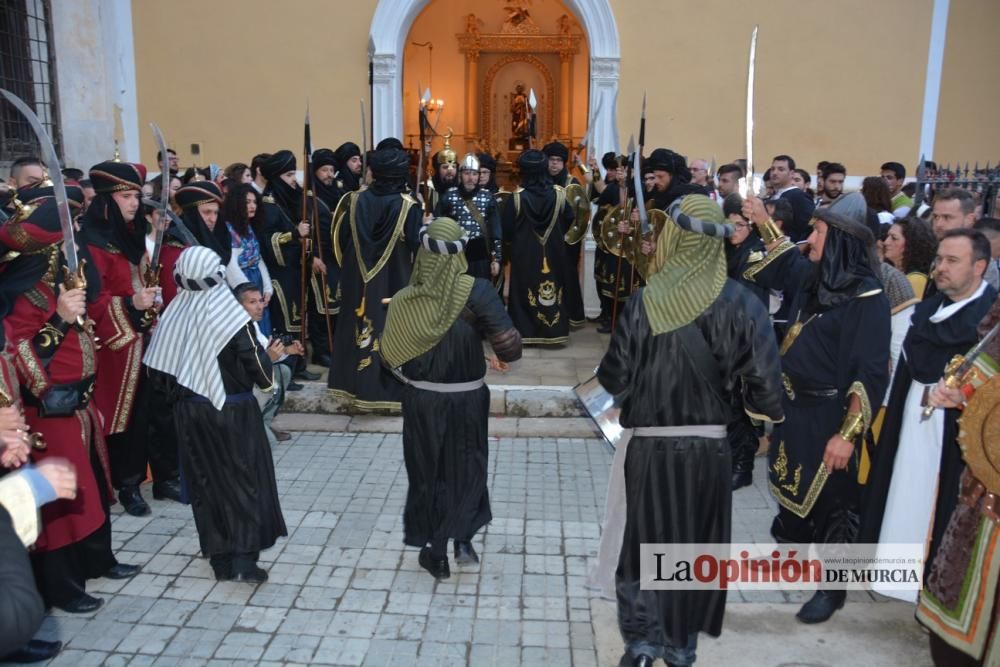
680, 347
606, 193
914, 456
433, 340
282, 233
835, 363
375, 236
324, 304
535, 218
475, 210
207, 360
349, 163
557, 155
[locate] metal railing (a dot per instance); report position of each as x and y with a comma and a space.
982, 182
27, 69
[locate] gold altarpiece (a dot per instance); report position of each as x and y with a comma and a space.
523, 46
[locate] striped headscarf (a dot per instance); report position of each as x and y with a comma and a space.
420, 314
197, 325
692, 269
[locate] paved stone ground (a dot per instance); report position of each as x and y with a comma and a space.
344, 591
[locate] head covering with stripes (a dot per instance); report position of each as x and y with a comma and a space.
198, 323
420, 314
692, 269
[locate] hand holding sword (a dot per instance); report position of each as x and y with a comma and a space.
957, 373
73, 271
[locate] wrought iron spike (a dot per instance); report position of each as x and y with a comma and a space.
966, 169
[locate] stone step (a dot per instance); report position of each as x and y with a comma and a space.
500, 426
507, 400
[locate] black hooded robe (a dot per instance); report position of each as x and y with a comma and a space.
656, 383
281, 250
574, 292
537, 298
377, 238
445, 443
839, 351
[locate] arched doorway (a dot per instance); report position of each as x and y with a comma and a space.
391, 25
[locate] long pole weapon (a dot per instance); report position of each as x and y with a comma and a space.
304, 241
318, 243
638, 185
623, 198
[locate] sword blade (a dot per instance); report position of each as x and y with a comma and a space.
164, 203
746, 183
55, 175
973, 354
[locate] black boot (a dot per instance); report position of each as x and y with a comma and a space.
465, 554
167, 489
821, 607
131, 499
641, 660
245, 568
35, 650
438, 567
82, 604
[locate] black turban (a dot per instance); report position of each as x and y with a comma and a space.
487, 161
532, 162
279, 163
664, 159
556, 149
197, 193
117, 176
610, 160
389, 142
389, 163
323, 157
345, 152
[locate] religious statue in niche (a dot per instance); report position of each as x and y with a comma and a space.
519, 113
518, 19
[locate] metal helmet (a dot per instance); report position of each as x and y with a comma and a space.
446, 155
469, 163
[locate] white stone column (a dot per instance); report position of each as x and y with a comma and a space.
95, 74
603, 101
387, 98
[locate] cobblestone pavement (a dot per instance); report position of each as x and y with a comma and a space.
344, 591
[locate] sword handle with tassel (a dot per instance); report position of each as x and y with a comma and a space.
78, 280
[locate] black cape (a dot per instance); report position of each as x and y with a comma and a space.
679, 489
445, 434
378, 239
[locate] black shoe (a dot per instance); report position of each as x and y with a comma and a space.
438, 567
132, 501
465, 554
294, 386
605, 327
308, 375
742, 478
251, 575
322, 360
641, 660
35, 650
122, 571
821, 607
84, 604
168, 489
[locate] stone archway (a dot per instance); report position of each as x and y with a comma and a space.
394, 18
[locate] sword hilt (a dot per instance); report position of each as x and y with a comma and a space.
954, 377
